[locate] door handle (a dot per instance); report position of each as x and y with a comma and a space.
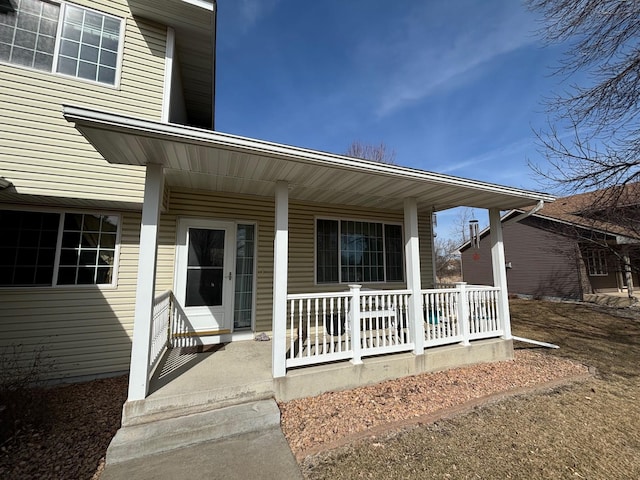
229, 275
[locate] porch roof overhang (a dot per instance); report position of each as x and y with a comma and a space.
209, 160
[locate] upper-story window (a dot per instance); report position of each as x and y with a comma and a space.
62, 38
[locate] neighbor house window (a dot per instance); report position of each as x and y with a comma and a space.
61, 38
352, 251
596, 262
43, 249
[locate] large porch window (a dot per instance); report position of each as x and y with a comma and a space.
364, 252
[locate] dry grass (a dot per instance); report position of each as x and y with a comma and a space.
590, 430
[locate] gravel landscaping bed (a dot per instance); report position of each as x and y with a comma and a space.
312, 425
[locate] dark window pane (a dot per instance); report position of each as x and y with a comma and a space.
91, 223
108, 240
110, 224
68, 257
25, 39
67, 66
204, 287
90, 239
46, 257
106, 257
24, 275
69, 48
71, 32
104, 275
85, 276
27, 246
87, 70
206, 248
89, 54
327, 251
88, 257
71, 239
66, 275
27, 256
43, 61
6, 275
44, 275
107, 75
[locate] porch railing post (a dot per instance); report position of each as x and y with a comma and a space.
354, 314
463, 311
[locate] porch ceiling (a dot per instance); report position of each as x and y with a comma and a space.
206, 160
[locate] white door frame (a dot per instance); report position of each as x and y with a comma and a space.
183, 225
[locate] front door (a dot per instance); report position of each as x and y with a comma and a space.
204, 275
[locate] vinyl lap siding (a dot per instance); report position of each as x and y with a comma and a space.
83, 331
43, 154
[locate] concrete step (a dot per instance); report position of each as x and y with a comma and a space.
137, 441
164, 406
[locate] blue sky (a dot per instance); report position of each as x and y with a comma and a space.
454, 86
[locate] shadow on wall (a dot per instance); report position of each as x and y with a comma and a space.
558, 284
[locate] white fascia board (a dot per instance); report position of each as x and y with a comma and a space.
151, 128
204, 4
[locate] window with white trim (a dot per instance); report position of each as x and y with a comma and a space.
354, 251
596, 259
62, 38
45, 248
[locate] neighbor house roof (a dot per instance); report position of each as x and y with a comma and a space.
575, 209
209, 160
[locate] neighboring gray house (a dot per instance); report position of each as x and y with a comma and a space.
564, 250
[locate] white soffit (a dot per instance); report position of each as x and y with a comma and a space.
202, 159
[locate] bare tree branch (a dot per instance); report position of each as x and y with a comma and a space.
377, 153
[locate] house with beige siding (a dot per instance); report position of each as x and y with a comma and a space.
132, 229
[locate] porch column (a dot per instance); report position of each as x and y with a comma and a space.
412, 254
499, 269
139, 368
280, 285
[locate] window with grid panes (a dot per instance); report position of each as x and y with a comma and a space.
62, 38
84, 245
363, 252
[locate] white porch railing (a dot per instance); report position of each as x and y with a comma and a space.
159, 328
325, 327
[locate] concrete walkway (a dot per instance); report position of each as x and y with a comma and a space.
263, 454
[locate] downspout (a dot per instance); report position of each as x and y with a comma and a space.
524, 215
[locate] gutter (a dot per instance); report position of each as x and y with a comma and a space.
524, 215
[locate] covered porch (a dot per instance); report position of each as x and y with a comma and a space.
350, 322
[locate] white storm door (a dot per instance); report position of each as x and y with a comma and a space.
204, 274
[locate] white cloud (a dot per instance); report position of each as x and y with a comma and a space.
252, 10
419, 66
